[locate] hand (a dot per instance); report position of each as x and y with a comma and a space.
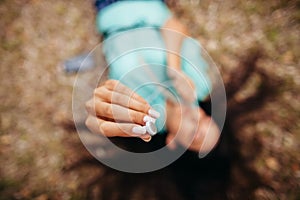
183, 85
115, 110
192, 128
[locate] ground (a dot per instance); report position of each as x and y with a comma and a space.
36, 95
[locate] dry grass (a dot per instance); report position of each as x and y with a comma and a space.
36, 97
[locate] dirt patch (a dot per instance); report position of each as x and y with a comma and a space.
262, 132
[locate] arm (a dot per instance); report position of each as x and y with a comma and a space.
173, 33
204, 130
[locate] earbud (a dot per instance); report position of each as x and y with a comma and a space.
151, 128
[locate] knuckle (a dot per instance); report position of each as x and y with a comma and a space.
137, 117
130, 103
99, 92
88, 122
88, 105
107, 110
115, 97
146, 108
111, 83
108, 96
103, 94
103, 128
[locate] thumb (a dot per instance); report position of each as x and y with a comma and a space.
170, 141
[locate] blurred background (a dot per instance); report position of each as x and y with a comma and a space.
256, 46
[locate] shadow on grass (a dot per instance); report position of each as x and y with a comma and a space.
190, 177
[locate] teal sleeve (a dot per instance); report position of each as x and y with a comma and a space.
129, 13
196, 67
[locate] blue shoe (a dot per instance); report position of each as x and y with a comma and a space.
79, 63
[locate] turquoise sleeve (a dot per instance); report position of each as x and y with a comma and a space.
129, 13
196, 67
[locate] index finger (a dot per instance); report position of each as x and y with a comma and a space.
114, 97
117, 86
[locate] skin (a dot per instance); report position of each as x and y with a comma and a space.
173, 33
115, 109
191, 128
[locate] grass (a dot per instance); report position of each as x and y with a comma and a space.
36, 97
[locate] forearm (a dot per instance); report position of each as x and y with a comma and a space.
173, 33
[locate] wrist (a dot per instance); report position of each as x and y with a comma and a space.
174, 61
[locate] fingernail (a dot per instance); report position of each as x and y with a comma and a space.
149, 119
154, 113
139, 130
148, 139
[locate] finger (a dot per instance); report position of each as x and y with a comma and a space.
90, 107
116, 86
170, 141
117, 112
121, 99
208, 134
146, 138
112, 129
198, 143
186, 132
